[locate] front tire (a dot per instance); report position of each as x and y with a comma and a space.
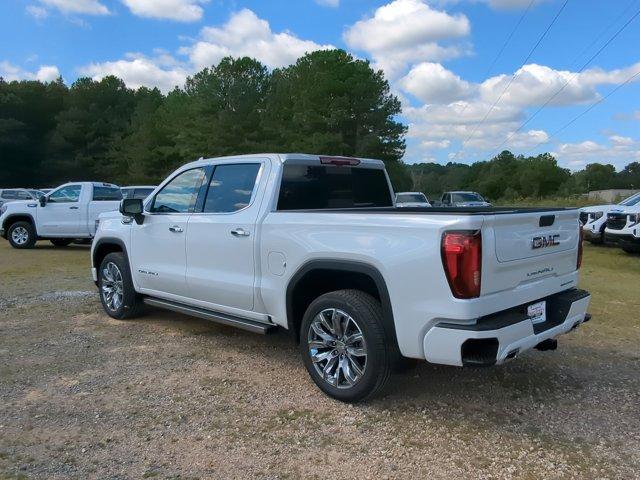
343, 345
61, 242
117, 295
22, 235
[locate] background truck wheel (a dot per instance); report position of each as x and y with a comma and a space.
119, 298
21, 235
61, 242
631, 249
343, 345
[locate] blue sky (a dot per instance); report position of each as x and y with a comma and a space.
436, 55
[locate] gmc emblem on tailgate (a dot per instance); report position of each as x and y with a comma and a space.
545, 241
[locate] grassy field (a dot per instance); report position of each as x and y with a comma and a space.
166, 396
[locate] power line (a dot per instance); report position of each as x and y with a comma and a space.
593, 57
587, 110
504, 45
515, 74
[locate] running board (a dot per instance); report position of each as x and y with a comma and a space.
222, 318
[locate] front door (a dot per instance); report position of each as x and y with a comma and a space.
158, 244
61, 214
221, 238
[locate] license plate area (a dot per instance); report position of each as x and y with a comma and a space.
537, 312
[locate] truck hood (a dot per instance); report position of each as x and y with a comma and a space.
600, 208
110, 214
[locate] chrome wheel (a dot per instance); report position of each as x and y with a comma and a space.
112, 286
337, 348
20, 235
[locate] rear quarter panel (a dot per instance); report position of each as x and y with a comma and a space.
405, 249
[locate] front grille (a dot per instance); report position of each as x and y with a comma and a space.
616, 221
583, 217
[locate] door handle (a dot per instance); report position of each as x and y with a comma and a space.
73, 208
176, 229
240, 232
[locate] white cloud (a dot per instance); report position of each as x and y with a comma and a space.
37, 12
83, 7
138, 70
619, 152
45, 73
432, 83
247, 34
406, 31
535, 84
178, 10
329, 3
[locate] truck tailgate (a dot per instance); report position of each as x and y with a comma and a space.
522, 248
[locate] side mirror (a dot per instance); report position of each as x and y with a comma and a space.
132, 207
43, 200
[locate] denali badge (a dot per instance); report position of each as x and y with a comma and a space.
544, 242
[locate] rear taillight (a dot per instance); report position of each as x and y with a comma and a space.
462, 261
580, 240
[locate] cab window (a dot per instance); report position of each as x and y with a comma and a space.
66, 194
231, 187
180, 194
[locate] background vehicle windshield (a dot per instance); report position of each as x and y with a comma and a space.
36, 193
632, 200
411, 198
467, 197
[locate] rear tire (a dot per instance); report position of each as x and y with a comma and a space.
631, 249
343, 345
117, 295
22, 235
61, 242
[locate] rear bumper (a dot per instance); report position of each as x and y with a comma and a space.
504, 335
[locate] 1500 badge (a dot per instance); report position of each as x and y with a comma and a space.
545, 241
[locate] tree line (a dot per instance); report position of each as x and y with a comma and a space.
327, 102
509, 177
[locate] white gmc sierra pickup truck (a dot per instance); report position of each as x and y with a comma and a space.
61, 216
315, 245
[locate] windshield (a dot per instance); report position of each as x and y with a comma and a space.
467, 197
411, 198
632, 200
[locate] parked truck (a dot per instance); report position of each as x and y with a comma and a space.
314, 245
61, 216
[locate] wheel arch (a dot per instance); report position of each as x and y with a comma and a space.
106, 245
315, 275
18, 217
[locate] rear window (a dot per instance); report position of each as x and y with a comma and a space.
320, 186
105, 194
411, 198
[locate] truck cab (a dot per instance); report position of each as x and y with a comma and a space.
63, 215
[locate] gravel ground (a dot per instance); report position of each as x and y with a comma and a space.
167, 396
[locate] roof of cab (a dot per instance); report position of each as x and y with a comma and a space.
281, 158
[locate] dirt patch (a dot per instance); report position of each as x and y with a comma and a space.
167, 396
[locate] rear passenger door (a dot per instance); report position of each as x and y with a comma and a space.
221, 237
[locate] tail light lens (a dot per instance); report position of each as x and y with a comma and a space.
580, 241
462, 261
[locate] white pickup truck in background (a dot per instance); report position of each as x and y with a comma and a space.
314, 245
623, 228
594, 218
63, 215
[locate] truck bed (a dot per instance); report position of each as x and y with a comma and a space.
442, 210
